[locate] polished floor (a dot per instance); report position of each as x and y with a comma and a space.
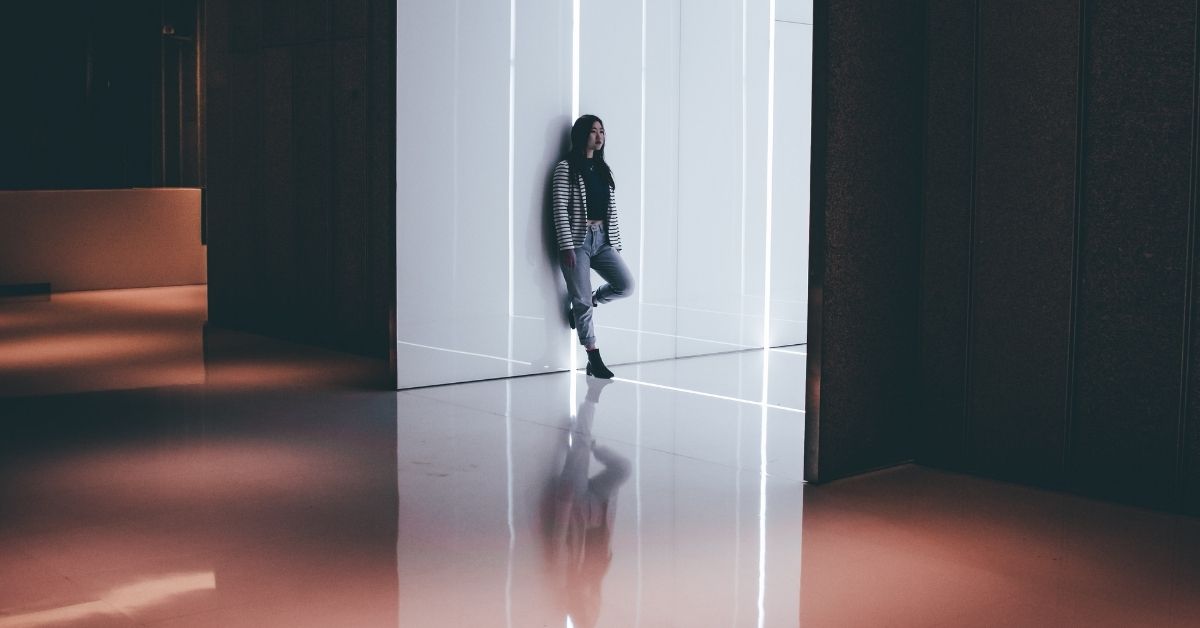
155, 473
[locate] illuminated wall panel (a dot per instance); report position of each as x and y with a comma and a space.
486, 92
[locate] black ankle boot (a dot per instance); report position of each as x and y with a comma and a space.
595, 366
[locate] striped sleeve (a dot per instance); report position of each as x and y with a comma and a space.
561, 191
614, 230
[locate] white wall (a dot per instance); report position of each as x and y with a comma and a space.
484, 106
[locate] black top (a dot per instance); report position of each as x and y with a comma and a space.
597, 191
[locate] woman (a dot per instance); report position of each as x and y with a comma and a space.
585, 225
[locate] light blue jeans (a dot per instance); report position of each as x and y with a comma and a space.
597, 255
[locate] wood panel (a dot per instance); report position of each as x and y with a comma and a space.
295, 22
351, 265
865, 246
946, 236
1134, 248
1024, 234
301, 205
381, 169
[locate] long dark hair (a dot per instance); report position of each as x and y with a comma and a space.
577, 153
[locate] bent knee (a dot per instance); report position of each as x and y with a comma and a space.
625, 289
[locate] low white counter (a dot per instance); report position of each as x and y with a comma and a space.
101, 239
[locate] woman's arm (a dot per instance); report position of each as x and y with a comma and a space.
560, 195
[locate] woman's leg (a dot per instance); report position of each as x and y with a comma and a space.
608, 264
579, 291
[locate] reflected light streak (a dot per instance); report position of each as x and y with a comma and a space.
762, 520
708, 311
131, 597
478, 355
659, 333
637, 486
737, 522
778, 350
765, 406
512, 526
573, 397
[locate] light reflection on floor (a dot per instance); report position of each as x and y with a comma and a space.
228, 480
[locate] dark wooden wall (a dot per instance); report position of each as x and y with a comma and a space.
866, 176
301, 169
99, 94
1058, 276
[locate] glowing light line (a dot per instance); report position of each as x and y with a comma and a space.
770, 186
637, 464
720, 312
512, 526
659, 333
762, 520
762, 485
574, 357
689, 391
478, 355
512, 151
574, 59
637, 478
742, 220
642, 191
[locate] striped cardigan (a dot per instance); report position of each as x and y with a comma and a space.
570, 210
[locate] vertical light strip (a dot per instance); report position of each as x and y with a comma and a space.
770, 192
574, 357
742, 234
641, 290
574, 60
512, 159
455, 175
766, 377
512, 528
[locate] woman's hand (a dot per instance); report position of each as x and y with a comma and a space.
568, 258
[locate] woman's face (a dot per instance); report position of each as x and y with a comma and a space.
596, 136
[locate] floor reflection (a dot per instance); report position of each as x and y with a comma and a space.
284, 487
583, 511
595, 518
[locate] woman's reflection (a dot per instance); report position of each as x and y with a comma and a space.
579, 532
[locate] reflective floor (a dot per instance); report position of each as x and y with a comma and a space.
153, 473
